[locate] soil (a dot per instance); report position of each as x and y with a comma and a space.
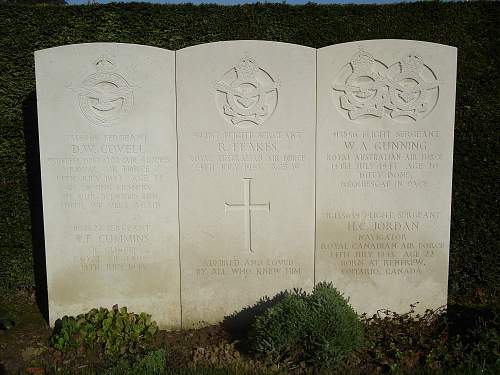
26, 342
25, 348
182, 345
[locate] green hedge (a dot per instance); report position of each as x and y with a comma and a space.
472, 27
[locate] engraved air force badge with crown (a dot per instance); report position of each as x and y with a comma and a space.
367, 88
104, 97
246, 95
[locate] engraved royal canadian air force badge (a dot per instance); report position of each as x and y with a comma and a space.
405, 91
246, 95
104, 97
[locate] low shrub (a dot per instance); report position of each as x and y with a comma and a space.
320, 329
399, 342
458, 340
117, 333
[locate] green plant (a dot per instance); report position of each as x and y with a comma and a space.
153, 363
320, 328
66, 337
225, 356
116, 332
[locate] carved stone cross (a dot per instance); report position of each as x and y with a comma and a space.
247, 207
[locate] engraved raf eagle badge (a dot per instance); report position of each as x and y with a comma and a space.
246, 95
105, 96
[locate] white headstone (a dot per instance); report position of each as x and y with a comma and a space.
384, 167
108, 155
246, 123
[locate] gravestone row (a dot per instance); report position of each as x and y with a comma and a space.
190, 184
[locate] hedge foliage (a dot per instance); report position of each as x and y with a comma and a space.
472, 27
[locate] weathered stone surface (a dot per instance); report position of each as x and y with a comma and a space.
384, 168
108, 155
246, 123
